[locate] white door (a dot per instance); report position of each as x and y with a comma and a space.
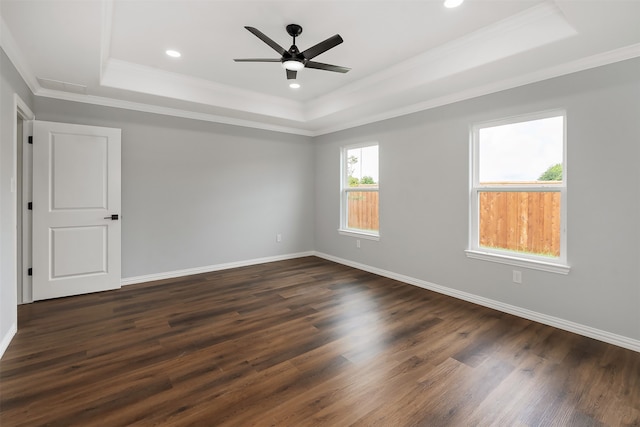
76, 208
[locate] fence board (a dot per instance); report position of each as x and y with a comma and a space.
521, 221
363, 210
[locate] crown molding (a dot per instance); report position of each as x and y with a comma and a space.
105, 34
302, 114
599, 60
167, 111
535, 27
606, 58
10, 47
139, 78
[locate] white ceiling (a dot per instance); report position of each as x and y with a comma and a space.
404, 55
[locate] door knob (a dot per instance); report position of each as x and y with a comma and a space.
113, 217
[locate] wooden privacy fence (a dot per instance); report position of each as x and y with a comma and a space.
363, 210
518, 221
521, 221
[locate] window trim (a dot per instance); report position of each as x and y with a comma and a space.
345, 190
504, 256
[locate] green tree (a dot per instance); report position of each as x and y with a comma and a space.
367, 180
351, 166
553, 173
351, 162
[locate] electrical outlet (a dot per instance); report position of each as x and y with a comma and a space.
278, 237
358, 244
517, 276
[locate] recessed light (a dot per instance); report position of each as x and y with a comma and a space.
173, 53
452, 3
294, 85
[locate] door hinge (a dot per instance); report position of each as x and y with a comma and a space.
30, 272
30, 206
30, 140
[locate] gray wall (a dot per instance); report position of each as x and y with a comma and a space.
196, 194
424, 187
10, 83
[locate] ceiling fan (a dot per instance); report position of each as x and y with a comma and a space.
293, 60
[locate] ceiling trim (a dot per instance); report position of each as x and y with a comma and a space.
8, 44
133, 77
153, 81
617, 55
105, 34
167, 111
15, 55
606, 58
531, 28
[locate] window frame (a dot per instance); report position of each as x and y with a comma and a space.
345, 189
505, 256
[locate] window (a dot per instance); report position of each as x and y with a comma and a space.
518, 192
359, 201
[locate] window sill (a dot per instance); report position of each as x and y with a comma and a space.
359, 234
550, 267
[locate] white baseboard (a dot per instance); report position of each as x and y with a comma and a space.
209, 268
6, 340
577, 328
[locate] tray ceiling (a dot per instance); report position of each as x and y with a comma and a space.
404, 55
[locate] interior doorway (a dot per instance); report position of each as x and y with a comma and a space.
19, 203
22, 187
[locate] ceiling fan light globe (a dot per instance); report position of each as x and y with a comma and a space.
293, 65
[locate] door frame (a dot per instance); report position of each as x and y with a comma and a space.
22, 180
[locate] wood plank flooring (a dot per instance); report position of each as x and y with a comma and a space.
304, 342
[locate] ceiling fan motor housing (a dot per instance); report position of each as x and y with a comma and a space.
294, 30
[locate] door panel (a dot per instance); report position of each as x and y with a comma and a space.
76, 189
69, 192
85, 250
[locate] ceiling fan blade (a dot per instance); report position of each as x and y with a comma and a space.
327, 67
322, 47
291, 74
257, 60
275, 46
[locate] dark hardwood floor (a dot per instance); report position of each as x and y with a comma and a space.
303, 342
